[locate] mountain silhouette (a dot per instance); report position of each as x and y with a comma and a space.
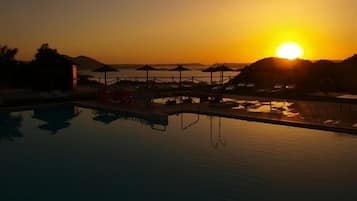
350, 61
322, 75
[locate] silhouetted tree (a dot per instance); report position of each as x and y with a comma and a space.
7, 55
45, 53
7, 63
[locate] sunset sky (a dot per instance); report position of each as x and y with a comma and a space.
177, 31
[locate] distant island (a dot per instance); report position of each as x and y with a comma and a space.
88, 63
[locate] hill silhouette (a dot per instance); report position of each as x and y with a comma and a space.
88, 63
322, 75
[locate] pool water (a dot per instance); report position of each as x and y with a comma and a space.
73, 153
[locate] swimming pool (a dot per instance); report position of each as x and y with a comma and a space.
73, 153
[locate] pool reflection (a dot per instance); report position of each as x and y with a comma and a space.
9, 126
156, 122
217, 141
339, 114
199, 157
105, 117
55, 118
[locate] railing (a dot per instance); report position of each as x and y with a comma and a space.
164, 79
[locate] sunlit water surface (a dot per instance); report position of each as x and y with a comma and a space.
72, 153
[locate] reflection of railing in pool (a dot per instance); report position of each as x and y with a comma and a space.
190, 124
221, 141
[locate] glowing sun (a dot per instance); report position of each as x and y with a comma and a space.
289, 50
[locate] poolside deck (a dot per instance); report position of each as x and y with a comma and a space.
15, 97
325, 115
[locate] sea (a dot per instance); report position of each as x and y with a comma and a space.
162, 75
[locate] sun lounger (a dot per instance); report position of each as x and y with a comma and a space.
278, 86
174, 86
250, 85
217, 88
290, 86
241, 84
216, 99
187, 100
171, 102
187, 86
230, 88
332, 122
348, 96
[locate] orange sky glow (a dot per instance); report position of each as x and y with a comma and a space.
180, 31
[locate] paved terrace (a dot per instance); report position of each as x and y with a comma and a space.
338, 116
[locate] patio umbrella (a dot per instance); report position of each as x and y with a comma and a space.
104, 69
210, 70
147, 68
180, 68
223, 68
